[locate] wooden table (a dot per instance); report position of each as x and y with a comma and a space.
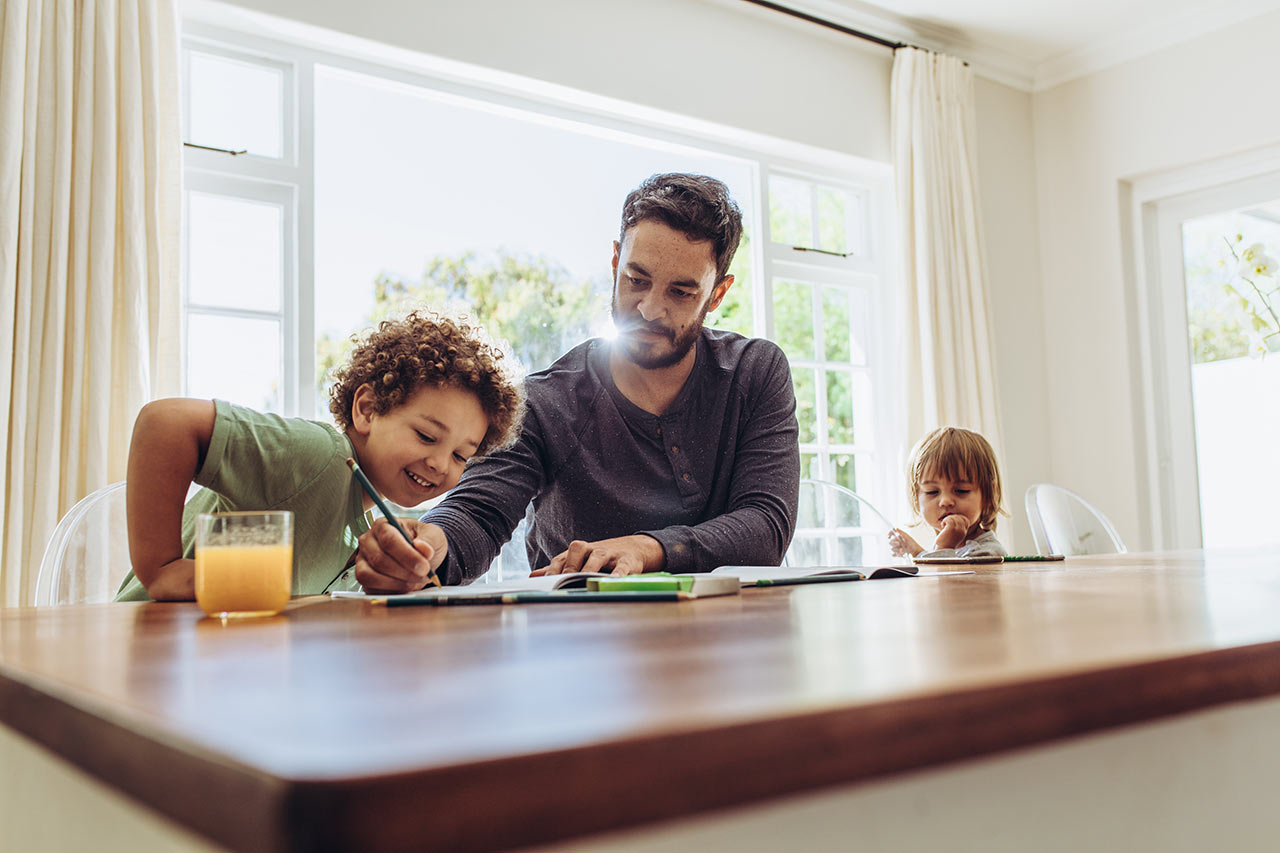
341, 725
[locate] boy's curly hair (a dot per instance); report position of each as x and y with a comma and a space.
957, 454
400, 356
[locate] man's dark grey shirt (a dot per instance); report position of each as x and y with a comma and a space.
714, 479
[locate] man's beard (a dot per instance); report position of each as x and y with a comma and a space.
637, 353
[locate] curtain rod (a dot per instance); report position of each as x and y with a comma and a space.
822, 22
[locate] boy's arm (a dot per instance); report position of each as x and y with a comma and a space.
170, 439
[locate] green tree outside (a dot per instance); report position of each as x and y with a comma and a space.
529, 303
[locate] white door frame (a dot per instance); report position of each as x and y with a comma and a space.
1155, 207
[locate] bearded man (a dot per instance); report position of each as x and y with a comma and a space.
671, 448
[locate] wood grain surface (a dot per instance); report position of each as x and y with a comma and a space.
343, 725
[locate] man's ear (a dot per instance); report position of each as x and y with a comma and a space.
362, 409
617, 248
718, 292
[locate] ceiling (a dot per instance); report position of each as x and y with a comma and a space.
1035, 44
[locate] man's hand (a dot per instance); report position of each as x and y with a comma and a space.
901, 543
625, 555
954, 530
385, 562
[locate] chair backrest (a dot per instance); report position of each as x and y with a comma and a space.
1062, 522
88, 555
835, 526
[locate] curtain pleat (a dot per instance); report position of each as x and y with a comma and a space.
949, 361
89, 229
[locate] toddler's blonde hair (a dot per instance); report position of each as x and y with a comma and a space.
957, 454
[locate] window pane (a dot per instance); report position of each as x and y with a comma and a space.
236, 105
234, 252
837, 327
805, 551
806, 402
793, 318
863, 408
849, 551
832, 232
839, 407
855, 225
843, 471
235, 359
790, 212
1236, 408
481, 219
808, 466
735, 312
811, 511
861, 308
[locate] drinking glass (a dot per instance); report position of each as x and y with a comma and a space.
244, 562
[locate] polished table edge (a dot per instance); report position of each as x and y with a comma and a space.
560, 794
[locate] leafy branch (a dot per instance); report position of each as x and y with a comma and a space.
1254, 263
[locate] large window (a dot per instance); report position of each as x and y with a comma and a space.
357, 190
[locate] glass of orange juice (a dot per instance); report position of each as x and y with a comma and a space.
244, 562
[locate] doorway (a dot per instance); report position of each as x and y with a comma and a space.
1229, 260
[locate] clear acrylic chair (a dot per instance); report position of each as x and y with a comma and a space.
835, 526
512, 562
88, 555
1062, 522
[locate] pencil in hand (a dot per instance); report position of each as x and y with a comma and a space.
386, 511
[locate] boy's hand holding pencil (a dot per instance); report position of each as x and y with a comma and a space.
390, 558
386, 562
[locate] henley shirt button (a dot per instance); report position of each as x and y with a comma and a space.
686, 477
659, 430
675, 449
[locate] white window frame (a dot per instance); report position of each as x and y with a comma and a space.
870, 181
286, 181
1169, 497
868, 273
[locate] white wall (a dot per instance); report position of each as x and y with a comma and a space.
719, 60
750, 68
1199, 100
1006, 166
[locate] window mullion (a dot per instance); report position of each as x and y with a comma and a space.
303, 316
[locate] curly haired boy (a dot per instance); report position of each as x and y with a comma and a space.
416, 399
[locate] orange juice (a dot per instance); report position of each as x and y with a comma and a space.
243, 580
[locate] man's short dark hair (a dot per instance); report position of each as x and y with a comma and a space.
695, 205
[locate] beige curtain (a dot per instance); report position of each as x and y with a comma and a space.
950, 365
89, 229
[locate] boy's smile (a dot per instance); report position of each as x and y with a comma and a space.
417, 450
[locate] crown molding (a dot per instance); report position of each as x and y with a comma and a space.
993, 63
985, 60
1131, 43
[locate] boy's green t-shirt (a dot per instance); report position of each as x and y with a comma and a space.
260, 461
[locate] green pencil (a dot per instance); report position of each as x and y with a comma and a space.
1033, 558
831, 578
564, 597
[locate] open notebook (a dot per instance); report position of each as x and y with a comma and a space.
690, 586
783, 575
